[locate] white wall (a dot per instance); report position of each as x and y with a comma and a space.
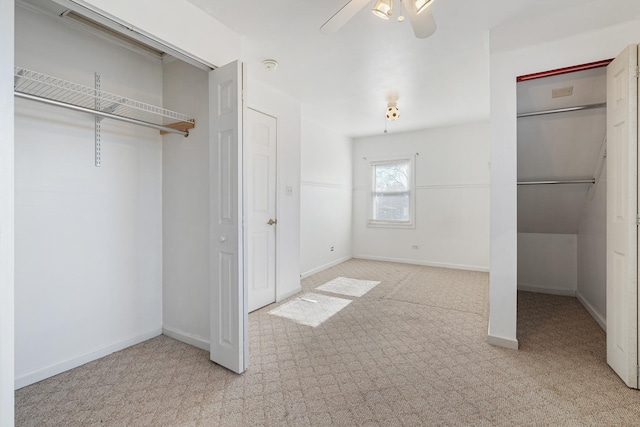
177, 23
452, 198
592, 254
6, 215
548, 263
506, 65
326, 197
286, 109
88, 240
185, 208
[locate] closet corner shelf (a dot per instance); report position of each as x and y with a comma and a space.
51, 90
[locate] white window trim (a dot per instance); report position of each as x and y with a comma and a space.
412, 193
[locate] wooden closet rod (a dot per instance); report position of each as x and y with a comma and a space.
563, 110
100, 113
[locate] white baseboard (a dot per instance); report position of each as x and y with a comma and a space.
288, 294
324, 267
550, 291
186, 338
502, 342
58, 368
597, 316
427, 263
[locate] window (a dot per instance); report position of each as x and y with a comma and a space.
392, 193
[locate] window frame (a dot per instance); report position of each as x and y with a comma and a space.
378, 223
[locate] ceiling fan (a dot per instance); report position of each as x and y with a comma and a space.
418, 11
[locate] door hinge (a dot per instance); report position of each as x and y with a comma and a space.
637, 72
637, 219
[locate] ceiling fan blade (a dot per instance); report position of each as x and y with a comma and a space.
423, 24
343, 16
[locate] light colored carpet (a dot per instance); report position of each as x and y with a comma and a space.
445, 288
377, 362
348, 286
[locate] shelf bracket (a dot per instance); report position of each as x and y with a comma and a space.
97, 120
110, 109
182, 126
17, 78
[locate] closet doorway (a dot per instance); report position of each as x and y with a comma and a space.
124, 233
577, 195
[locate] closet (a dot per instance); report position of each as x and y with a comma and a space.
111, 192
562, 185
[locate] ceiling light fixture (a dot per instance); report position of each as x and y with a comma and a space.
393, 113
383, 9
419, 13
401, 17
421, 5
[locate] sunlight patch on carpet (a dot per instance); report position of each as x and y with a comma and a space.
347, 286
311, 309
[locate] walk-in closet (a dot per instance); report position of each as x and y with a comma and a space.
562, 185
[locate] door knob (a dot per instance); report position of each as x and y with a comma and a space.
272, 221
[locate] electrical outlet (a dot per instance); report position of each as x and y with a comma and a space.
331, 248
415, 247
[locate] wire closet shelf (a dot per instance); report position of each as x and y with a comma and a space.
41, 87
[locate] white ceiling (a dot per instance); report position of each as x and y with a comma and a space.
346, 79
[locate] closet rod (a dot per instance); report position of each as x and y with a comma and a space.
100, 113
570, 181
563, 110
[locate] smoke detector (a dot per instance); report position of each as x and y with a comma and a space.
270, 64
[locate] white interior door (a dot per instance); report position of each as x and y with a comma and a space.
260, 207
229, 315
622, 210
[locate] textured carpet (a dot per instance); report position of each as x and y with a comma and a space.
377, 362
445, 288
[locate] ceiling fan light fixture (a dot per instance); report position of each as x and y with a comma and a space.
421, 5
383, 9
424, 25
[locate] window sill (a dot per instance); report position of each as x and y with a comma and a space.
378, 224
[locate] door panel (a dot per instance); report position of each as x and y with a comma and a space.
228, 320
260, 204
622, 208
